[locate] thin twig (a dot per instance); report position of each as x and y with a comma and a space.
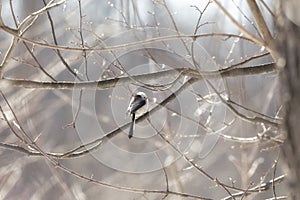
274, 175
239, 26
56, 43
174, 24
25, 44
259, 188
22, 28
197, 27
82, 40
165, 174
256, 119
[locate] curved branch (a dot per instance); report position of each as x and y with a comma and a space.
18, 33
110, 83
122, 46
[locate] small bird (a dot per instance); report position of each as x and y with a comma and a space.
138, 101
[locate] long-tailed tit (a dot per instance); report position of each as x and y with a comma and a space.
138, 101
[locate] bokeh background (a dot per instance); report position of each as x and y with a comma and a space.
196, 121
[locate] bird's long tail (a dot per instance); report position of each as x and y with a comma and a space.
132, 126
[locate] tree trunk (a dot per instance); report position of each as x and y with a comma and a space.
289, 67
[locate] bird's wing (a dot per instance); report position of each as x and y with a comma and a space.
136, 104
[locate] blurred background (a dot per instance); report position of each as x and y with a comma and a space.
194, 146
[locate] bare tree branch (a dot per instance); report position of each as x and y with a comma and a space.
264, 30
261, 187
123, 81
